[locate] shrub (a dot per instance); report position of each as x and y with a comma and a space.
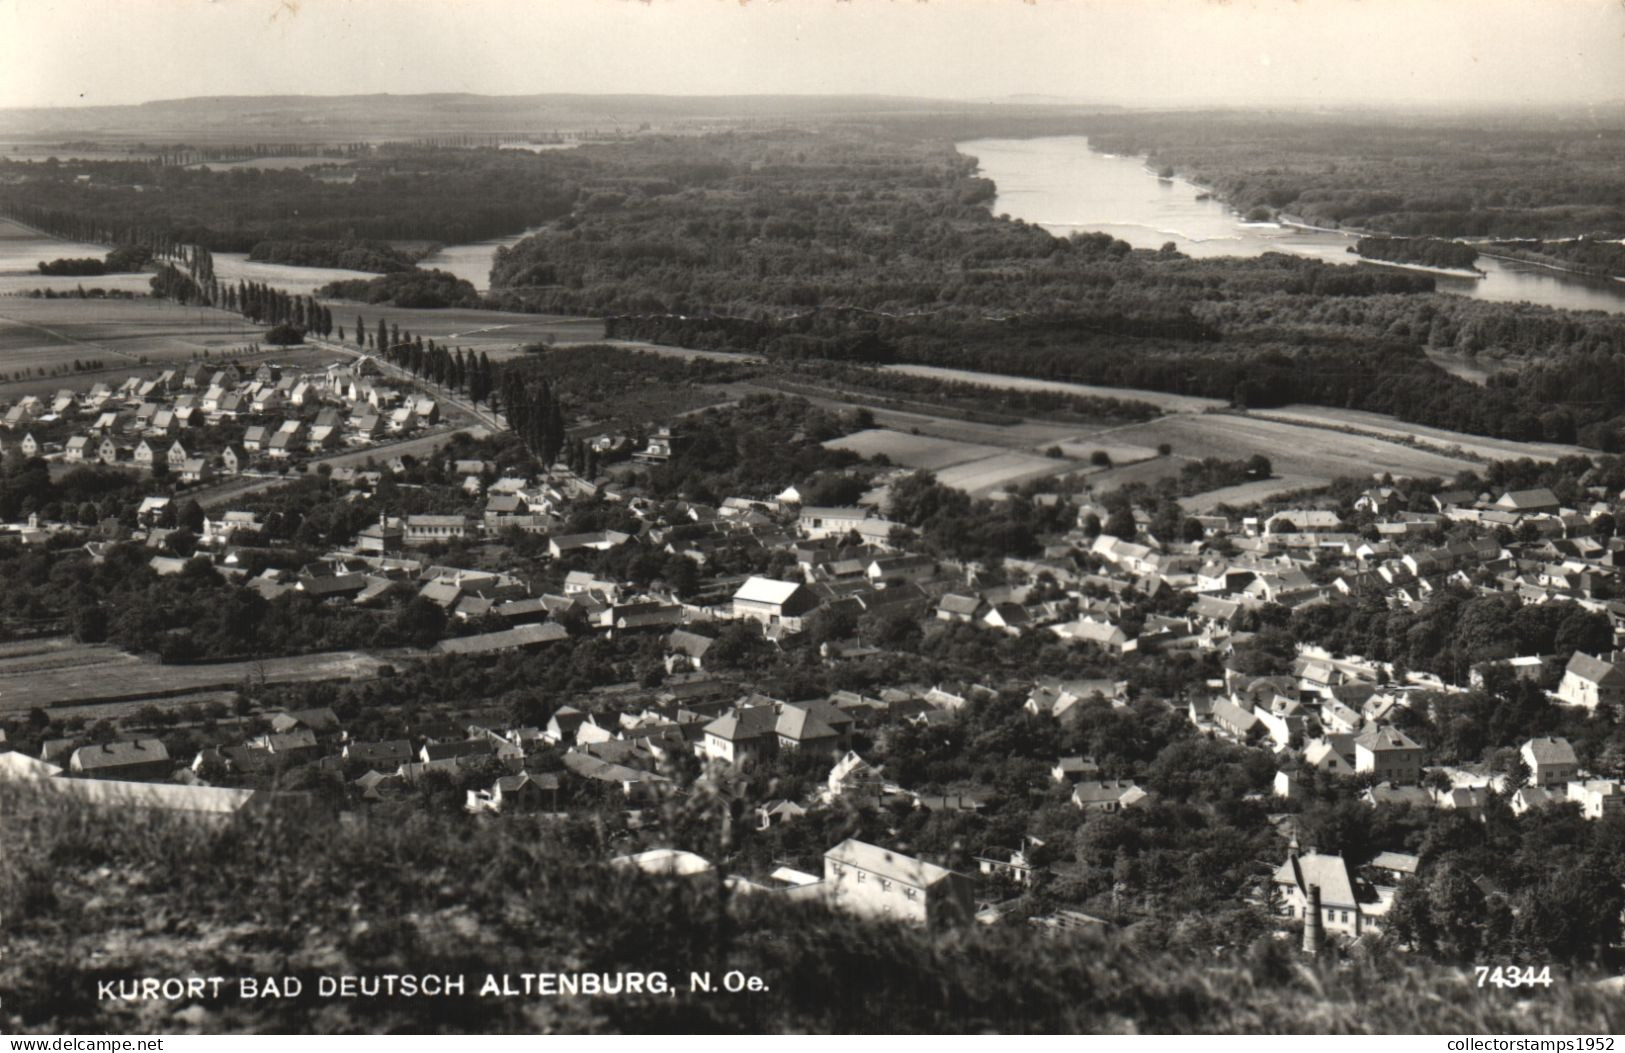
284, 335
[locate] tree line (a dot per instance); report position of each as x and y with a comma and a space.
398, 193
122, 259
1498, 177
347, 254
1430, 252
409, 289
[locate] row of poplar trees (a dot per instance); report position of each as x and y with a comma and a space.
255, 301
534, 414
261, 303
531, 405
456, 368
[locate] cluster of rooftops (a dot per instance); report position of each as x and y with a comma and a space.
291, 411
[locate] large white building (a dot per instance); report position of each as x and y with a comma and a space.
876, 882
773, 602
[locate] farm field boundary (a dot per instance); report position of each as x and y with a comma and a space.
84, 674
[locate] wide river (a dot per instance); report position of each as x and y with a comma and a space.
1063, 186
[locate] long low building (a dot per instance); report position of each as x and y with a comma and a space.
532, 635
115, 793
162, 796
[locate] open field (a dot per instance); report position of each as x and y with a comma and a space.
1000, 471
912, 451
976, 468
1449, 442
1145, 472
1120, 453
679, 352
1248, 493
1034, 435
236, 266
40, 336
1468, 369
500, 334
415, 447
1168, 402
1351, 442
26, 347
1024, 433
44, 151
22, 250
1315, 455
273, 163
23, 284
61, 673
1308, 446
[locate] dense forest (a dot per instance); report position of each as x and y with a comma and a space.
853, 244
83, 266
95, 492
407, 288
347, 254
193, 615
853, 248
1490, 177
1600, 258
753, 447
120, 260
1430, 252
608, 387
398, 193
980, 402
1350, 354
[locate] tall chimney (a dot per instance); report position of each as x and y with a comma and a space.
1314, 936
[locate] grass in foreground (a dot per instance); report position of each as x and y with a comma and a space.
93, 896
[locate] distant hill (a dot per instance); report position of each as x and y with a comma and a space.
308, 118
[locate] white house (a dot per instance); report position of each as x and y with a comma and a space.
1551, 762
877, 882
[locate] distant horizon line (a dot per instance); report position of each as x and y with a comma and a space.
1011, 98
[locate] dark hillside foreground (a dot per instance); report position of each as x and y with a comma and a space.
105, 896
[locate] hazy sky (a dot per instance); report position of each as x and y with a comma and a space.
77, 52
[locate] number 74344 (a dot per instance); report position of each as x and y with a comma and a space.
1513, 976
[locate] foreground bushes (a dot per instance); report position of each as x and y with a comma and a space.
287, 892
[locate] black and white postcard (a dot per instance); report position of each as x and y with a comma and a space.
1076, 517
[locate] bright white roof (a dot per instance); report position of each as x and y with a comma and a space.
665, 861
766, 590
